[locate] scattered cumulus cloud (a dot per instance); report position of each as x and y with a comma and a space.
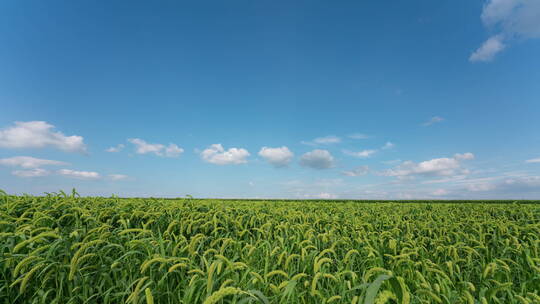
142, 147
360, 154
433, 120
434, 167
326, 140
216, 154
534, 160
79, 174
36, 172
115, 149
28, 162
317, 159
358, 171
39, 134
278, 157
509, 20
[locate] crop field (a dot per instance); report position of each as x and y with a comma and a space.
70, 249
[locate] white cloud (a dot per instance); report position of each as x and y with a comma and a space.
79, 174
464, 156
117, 177
279, 157
434, 167
433, 120
216, 154
326, 140
36, 172
358, 136
534, 160
39, 134
440, 192
322, 195
360, 154
391, 162
28, 162
358, 171
317, 159
511, 19
173, 151
142, 147
488, 50
388, 145
118, 148
480, 187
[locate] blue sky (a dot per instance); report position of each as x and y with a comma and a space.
271, 99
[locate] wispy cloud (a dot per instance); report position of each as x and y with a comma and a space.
36, 172
511, 20
359, 136
388, 145
360, 154
358, 171
142, 147
534, 160
115, 149
326, 140
435, 167
79, 174
118, 177
433, 120
28, 162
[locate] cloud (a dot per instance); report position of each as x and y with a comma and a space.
173, 151
358, 171
440, 192
322, 195
279, 157
142, 147
388, 145
358, 136
79, 174
326, 140
216, 154
317, 159
118, 177
488, 50
360, 154
534, 160
28, 162
515, 186
118, 148
36, 172
464, 156
510, 20
434, 167
433, 120
391, 162
39, 134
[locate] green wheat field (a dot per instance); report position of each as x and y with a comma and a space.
62, 248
